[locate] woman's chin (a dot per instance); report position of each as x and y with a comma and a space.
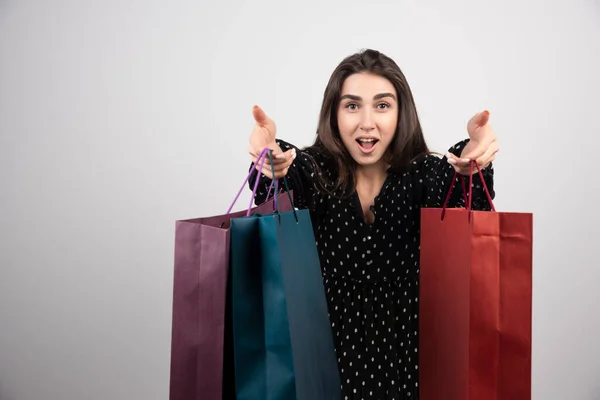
367, 160
368, 157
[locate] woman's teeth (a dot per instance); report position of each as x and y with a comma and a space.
366, 143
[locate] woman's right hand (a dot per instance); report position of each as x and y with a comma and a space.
263, 136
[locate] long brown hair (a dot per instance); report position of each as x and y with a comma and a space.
408, 142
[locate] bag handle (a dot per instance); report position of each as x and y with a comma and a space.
261, 159
469, 199
287, 189
276, 182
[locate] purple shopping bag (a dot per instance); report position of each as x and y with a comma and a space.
201, 267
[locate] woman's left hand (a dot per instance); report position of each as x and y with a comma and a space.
482, 146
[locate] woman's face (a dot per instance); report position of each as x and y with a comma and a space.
367, 117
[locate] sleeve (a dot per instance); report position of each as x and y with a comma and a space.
300, 179
436, 176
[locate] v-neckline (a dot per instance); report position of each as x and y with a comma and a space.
375, 204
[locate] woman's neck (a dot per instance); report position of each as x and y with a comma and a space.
370, 178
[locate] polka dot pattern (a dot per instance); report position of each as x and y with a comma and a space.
371, 271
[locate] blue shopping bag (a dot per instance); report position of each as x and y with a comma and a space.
283, 342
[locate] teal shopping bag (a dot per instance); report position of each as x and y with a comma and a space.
283, 342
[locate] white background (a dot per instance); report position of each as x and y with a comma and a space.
119, 117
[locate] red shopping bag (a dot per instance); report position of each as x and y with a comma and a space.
201, 356
475, 303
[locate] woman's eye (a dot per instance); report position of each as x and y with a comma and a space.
383, 106
352, 106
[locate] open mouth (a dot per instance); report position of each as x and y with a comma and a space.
366, 145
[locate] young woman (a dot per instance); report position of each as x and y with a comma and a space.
364, 181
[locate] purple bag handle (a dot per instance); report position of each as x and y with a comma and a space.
261, 158
276, 182
287, 189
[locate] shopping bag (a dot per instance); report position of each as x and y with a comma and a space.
200, 349
283, 341
475, 303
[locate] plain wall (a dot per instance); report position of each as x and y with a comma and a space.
118, 118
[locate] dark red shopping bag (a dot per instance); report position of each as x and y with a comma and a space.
475, 304
201, 356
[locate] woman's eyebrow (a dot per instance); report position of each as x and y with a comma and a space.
376, 97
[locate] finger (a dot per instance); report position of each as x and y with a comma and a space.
284, 157
256, 157
259, 115
489, 154
479, 120
279, 175
456, 161
268, 169
252, 151
478, 151
483, 163
260, 161
482, 118
461, 170
464, 170
279, 167
276, 154
275, 174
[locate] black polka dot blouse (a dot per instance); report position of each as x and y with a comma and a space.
371, 271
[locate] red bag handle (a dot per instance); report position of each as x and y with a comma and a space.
469, 200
